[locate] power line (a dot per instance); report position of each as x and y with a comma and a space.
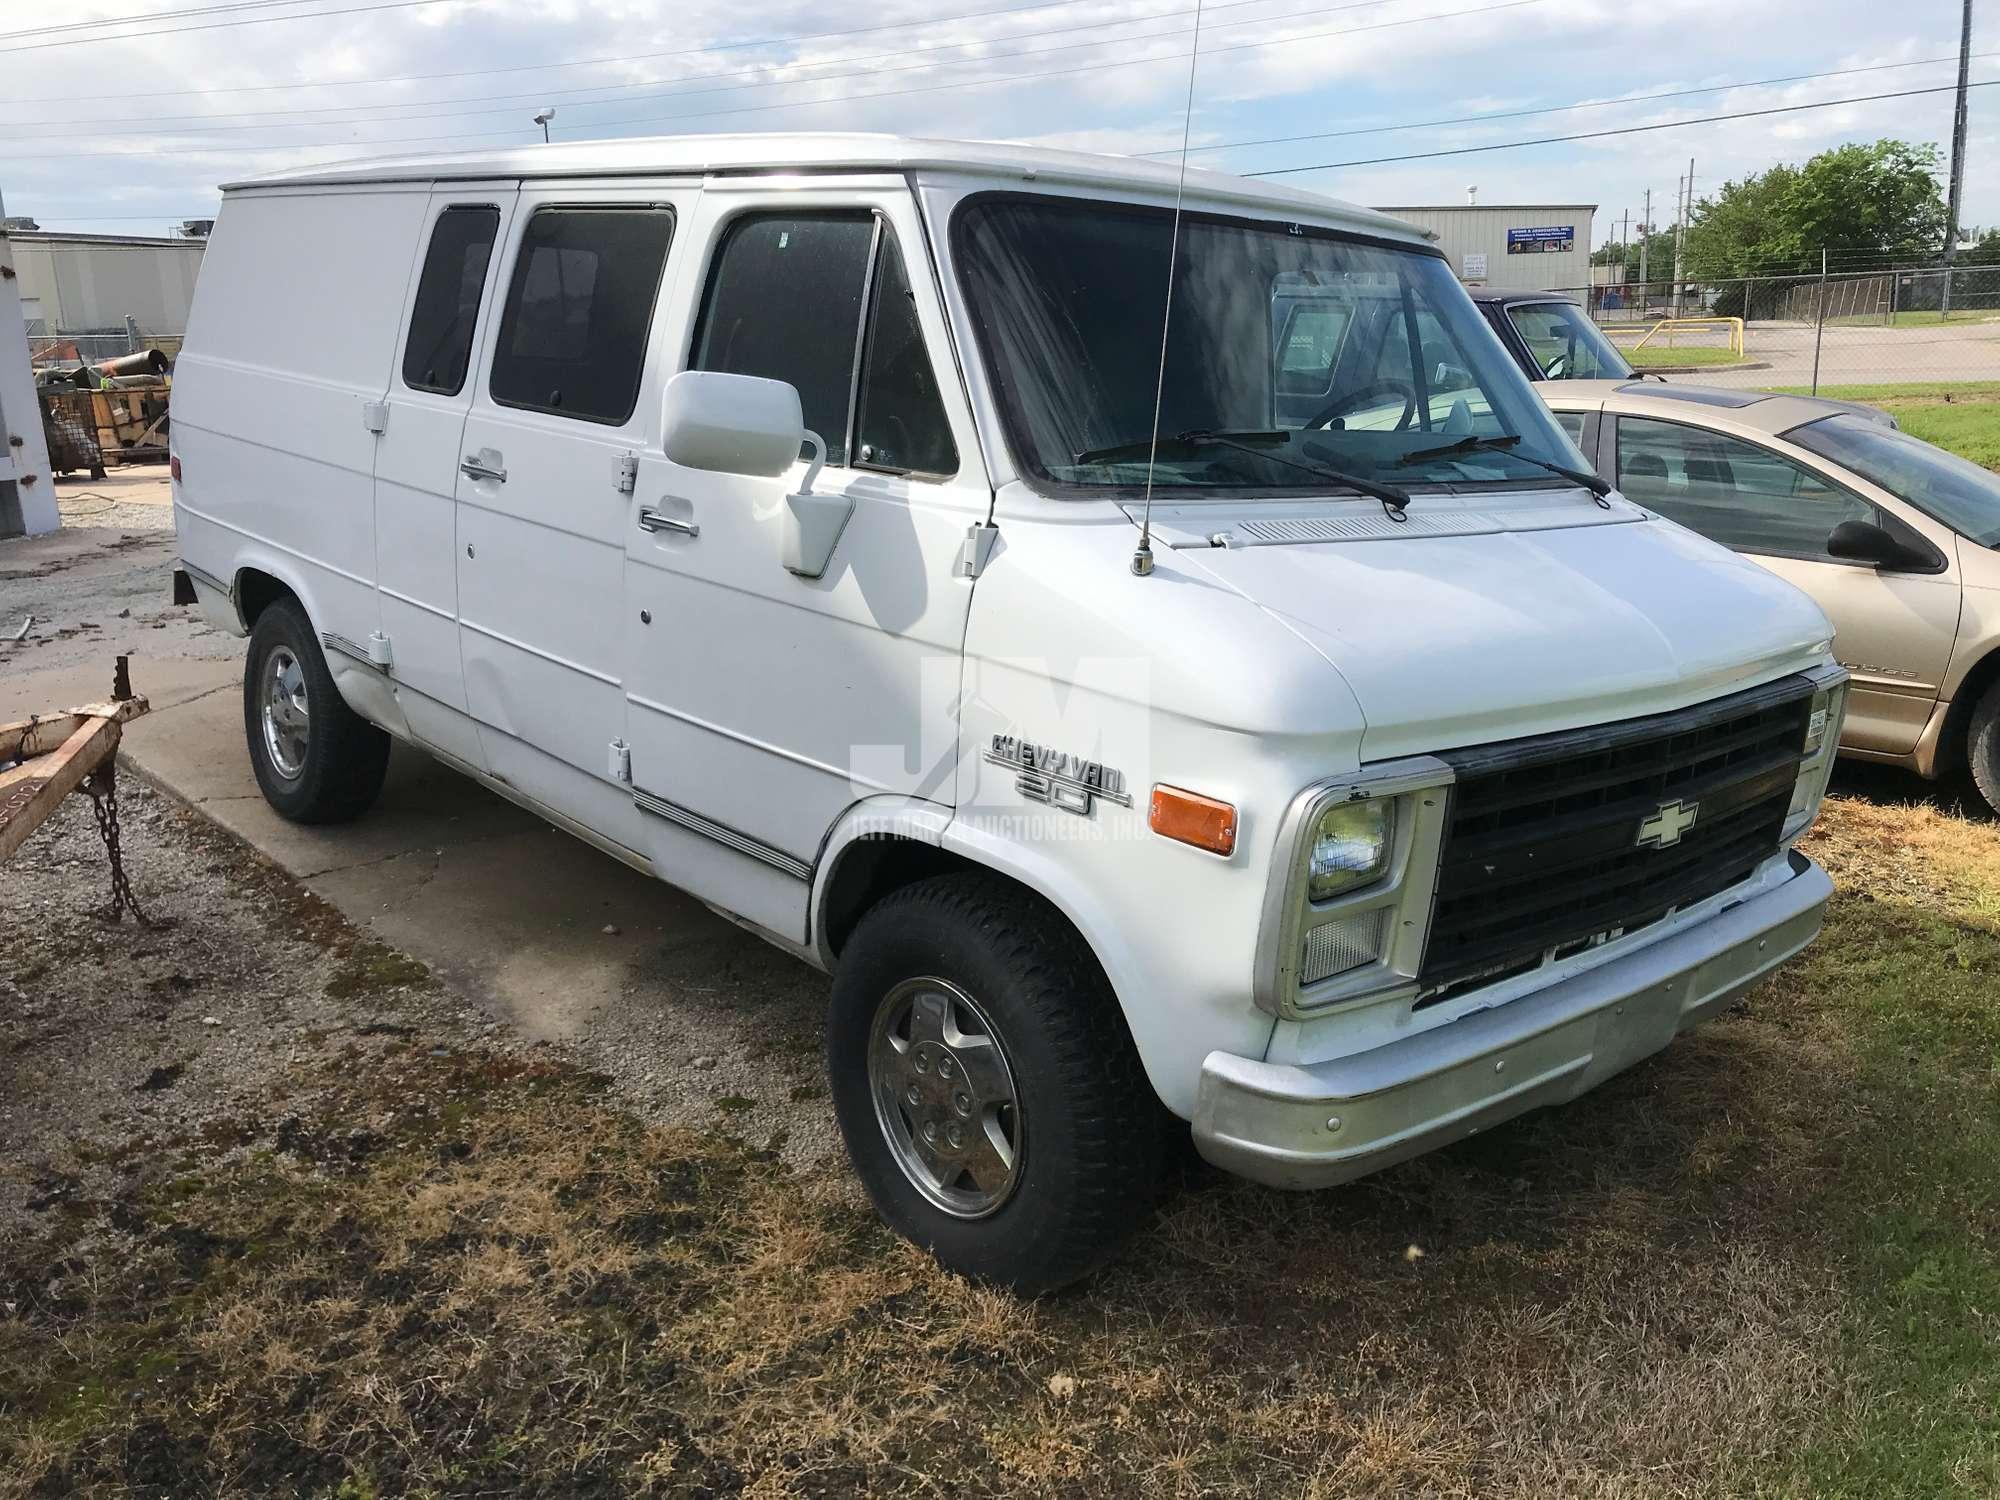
581, 62
131, 36
1004, 78
1557, 109
1592, 135
441, 109
151, 15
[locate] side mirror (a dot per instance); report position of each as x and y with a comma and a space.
743, 424
1865, 542
732, 424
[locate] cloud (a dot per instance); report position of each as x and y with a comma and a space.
91, 133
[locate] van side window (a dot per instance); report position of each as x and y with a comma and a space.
573, 331
901, 423
439, 346
784, 303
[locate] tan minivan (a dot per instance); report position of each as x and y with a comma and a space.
1894, 537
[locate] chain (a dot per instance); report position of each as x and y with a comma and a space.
102, 784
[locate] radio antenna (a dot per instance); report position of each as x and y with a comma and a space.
1142, 558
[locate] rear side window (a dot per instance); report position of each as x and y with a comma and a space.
573, 331
1572, 422
439, 345
792, 298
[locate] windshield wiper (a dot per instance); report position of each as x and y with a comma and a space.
1194, 439
1394, 500
1504, 443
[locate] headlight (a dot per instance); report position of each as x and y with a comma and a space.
1829, 708
1350, 847
1348, 911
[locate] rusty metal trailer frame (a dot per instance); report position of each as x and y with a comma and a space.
44, 759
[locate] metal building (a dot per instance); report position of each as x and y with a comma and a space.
92, 283
1529, 247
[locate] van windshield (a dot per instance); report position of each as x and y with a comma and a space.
1292, 352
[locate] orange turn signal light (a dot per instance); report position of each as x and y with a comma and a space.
1193, 819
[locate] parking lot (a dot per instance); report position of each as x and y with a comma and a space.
442, 1153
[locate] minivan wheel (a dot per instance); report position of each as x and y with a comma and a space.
987, 1088
316, 759
1982, 746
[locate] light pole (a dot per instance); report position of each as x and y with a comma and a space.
543, 119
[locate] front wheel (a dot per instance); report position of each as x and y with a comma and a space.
987, 1088
316, 759
1982, 746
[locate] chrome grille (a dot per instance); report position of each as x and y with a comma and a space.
1542, 849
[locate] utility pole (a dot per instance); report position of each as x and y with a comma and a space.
1680, 232
1645, 239
1957, 155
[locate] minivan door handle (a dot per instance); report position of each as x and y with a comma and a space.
472, 468
654, 520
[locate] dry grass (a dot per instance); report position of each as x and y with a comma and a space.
1666, 1289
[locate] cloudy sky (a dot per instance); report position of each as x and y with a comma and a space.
122, 115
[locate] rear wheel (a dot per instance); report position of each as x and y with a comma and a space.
1982, 746
316, 759
987, 1088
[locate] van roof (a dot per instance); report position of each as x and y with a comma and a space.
702, 155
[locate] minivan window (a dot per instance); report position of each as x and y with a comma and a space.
573, 331
439, 345
784, 303
901, 424
1067, 297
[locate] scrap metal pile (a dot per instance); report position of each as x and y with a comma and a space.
111, 412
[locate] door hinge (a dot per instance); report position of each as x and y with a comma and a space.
621, 762
977, 549
378, 650
628, 473
375, 416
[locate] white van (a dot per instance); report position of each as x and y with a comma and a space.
768, 512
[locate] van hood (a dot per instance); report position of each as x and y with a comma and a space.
1463, 637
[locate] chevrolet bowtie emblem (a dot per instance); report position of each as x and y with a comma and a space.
1664, 828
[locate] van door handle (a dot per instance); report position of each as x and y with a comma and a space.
653, 520
472, 468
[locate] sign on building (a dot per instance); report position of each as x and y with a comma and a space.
1551, 239
1475, 265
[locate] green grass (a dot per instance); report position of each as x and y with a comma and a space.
1954, 390
1961, 417
1971, 429
1662, 356
1906, 970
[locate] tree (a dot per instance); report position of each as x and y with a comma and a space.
1852, 200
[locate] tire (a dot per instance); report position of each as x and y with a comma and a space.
1088, 1137
317, 760
1982, 746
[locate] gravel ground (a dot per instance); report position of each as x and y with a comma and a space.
109, 570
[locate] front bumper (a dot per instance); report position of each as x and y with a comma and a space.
1316, 1125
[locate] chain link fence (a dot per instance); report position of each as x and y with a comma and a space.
1905, 326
